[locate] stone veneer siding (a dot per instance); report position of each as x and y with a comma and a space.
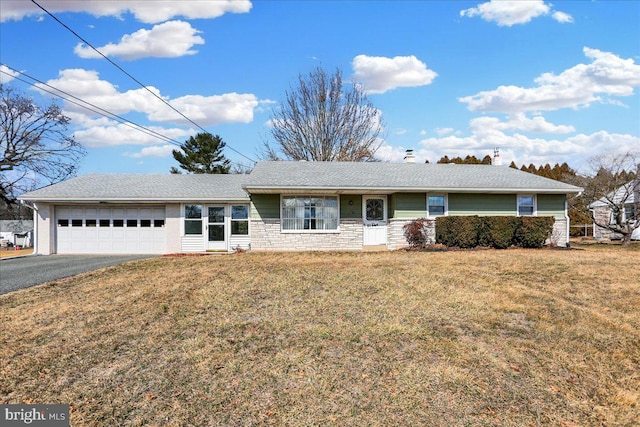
266, 235
395, 233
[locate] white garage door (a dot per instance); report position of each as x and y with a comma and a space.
110, 229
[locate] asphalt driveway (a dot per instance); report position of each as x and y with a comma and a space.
20, 273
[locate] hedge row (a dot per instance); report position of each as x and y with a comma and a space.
498, 232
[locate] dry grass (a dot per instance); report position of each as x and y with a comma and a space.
9, 253
509, 338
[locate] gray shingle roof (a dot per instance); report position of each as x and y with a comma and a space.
273, 177
126, 187
267, 176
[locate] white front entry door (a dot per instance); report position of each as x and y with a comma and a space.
374, 220
216, 228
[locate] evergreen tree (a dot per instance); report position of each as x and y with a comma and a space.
202, 154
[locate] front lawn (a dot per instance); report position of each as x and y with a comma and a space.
509, 338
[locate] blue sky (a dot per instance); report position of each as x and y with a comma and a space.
545, 82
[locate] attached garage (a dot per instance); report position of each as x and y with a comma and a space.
110, 229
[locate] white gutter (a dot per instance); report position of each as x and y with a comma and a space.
375, 190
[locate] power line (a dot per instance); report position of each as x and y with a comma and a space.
95, 109
132, 77
88, 106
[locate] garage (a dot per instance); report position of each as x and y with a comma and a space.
110, 229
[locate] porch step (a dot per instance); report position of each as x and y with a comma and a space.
375, 248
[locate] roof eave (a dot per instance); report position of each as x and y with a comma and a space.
373, 190
132, 200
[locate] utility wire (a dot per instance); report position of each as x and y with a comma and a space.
132, 77
95, 109
87, 105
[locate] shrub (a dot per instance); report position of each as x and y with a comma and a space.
498, 231
532, 232
416, 233
445, 233
460, 231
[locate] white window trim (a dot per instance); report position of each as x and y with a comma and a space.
282, 230
184, 218
231, 220
535, 204
446, 205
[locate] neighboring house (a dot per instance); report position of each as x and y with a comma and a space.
283, 206
627, 195
16, 232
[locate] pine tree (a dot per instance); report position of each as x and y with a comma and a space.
202, 154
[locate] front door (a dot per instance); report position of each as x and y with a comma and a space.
216, 230
374, 220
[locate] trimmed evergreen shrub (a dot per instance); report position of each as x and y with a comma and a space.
460, 231
533, 231
498, 231
465, 229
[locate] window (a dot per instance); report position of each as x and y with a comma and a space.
158, 222
526, 205
192, 219
132, 223
90, 222
309, 213
118, 222
105, 222
436, 205
240, 220
76, 223
145, 223
63, 223
629, 212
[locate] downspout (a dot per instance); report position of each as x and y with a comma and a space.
35, 225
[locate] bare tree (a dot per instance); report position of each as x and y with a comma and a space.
35, 145
612, 194
323, 120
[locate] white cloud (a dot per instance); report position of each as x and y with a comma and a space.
111, 134
524, 150
508, 13
204, 110
519, 122
153, 151
579, 86
6, 74
147, 11
168, 40
380, 74
210, 110
442, 131
562, 17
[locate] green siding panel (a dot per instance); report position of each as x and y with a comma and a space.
265, 206
551, 205
482, 204
351, 206
408, 205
